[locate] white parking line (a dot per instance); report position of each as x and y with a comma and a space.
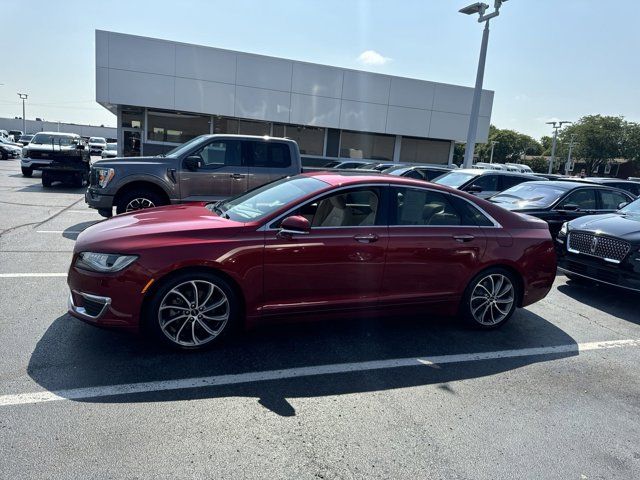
250, 377
93, 212
28, 275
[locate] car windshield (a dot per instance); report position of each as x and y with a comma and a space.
112, 146
97, 140
396, 170
180, 149
26, 137
633, 209
528, 195
454, 179
48, 139
259, 203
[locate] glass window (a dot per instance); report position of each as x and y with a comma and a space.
347, 209
278, 130
310, 139
421, 150
424, 207
267, 154
488, 183
131, 117
584, 198
268, 199
471, 215
430, 174
248, 127
53, 139
225, 125
175, 128
367, 145
221, 153
529, 195
509, 181
454, 179
611, 200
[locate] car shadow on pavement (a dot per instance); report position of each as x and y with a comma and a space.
73, 231
606, 298
74, 355
57, 187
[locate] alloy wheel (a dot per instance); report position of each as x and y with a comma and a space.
193, 313
139, 204
492, 299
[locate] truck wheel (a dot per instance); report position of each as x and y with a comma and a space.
4, 155
27, 172
105, 212
139, 200
46, 180
78, 181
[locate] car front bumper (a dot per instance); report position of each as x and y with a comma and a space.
34, 163
95, 198
107, 300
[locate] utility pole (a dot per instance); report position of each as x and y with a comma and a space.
23, 97
493, 144
556, 126
567, 166
479, 8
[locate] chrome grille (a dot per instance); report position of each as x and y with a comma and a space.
609, 249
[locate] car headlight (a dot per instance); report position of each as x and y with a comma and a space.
564, 229
104, 262
104, 176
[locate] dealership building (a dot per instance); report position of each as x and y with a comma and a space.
165, 93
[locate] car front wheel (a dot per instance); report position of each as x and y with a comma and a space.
490, 298
27, 172
193, 311
138, 200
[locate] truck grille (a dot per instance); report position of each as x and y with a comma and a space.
609, 249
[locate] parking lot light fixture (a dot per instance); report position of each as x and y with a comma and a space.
493, 144
479, 8
23, 97
556, 126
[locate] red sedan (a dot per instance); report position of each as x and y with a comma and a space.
316, 245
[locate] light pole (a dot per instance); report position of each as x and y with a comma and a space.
479, 8
23, 97
493, 144
556, 126
572, 142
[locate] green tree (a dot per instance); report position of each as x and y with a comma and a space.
599, 139
511, 146
546, 143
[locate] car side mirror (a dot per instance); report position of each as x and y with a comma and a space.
570, 207
294, 225
474, 189
621, 205
193, 162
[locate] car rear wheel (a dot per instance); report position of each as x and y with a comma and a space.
138, 200
27, 172
46, 180
490, 298
193, 311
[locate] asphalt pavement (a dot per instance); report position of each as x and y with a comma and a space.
553, 394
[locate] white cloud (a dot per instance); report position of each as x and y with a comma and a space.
371, 57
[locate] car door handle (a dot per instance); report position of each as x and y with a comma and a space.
237, 176
463, 238
369, 238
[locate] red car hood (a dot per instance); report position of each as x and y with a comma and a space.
143, 229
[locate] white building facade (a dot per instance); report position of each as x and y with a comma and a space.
165, 93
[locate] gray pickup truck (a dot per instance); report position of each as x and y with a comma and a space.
206, 168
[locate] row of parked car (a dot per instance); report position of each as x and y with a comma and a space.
331, 241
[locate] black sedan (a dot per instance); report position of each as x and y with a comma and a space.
557, 202
603, 248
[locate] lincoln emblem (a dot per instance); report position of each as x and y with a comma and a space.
594, 244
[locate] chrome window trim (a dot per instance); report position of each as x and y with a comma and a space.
267, 226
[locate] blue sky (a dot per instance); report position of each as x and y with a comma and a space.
547, 58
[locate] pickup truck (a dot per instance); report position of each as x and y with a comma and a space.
206, 168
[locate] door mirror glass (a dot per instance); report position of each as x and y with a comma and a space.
621, 205
293, 225
474, 189
193, 162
